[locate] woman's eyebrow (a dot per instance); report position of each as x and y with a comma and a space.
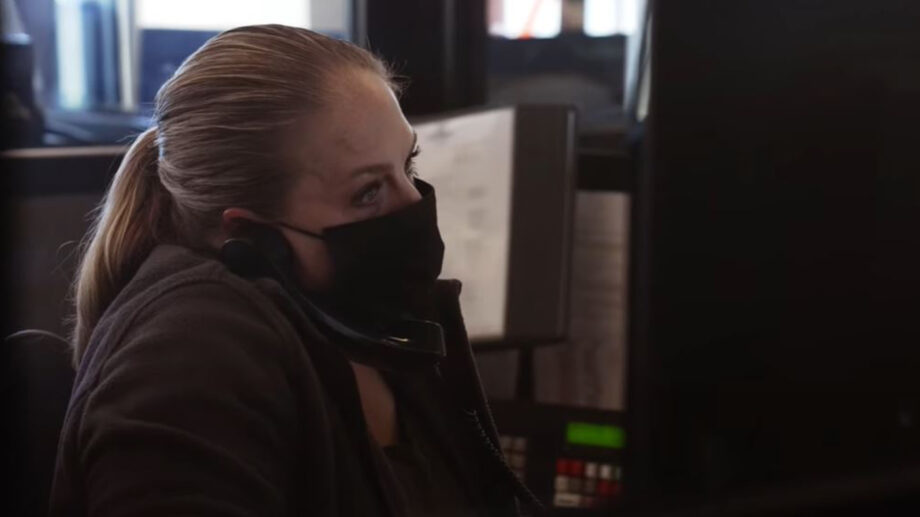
375, 169
382, 168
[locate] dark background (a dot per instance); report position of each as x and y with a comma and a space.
775, 296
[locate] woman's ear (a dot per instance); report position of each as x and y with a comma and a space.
231, 217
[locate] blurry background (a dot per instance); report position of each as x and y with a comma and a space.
96, 64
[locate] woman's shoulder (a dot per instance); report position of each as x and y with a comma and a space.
185, 302
195, 365
171, 267
176, 279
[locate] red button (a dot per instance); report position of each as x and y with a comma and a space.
604, 488
562, 467
577, 468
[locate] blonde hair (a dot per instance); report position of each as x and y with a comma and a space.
214, 145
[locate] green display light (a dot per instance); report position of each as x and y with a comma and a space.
595, 435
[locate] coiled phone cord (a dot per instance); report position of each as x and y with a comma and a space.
523, 493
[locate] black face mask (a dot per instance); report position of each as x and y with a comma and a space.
384, 268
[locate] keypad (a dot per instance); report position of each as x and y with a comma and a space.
585, 484
578, 483
515, 450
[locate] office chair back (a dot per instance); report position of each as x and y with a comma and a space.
39, 382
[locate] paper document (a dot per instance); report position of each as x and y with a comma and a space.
469, 160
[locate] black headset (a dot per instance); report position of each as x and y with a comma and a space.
261, 251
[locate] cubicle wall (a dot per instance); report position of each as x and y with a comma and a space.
52, 195
42, 257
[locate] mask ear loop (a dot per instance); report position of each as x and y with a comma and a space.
301, 231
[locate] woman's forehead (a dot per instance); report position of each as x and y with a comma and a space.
363, 125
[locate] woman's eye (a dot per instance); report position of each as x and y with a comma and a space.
411, 171
368, 194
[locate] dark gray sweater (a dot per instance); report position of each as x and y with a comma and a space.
202, 393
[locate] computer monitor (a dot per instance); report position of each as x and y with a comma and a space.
774, 336
505, 182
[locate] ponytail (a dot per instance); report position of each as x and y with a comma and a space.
131, 220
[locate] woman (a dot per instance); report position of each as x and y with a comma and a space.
254, 307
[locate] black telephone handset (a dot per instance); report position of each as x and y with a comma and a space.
260, 251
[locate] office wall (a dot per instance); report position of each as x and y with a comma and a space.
42, 256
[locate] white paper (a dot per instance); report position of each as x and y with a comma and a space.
469, 160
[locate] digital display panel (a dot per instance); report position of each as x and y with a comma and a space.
595, 435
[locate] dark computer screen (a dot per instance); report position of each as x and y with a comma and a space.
774, 336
